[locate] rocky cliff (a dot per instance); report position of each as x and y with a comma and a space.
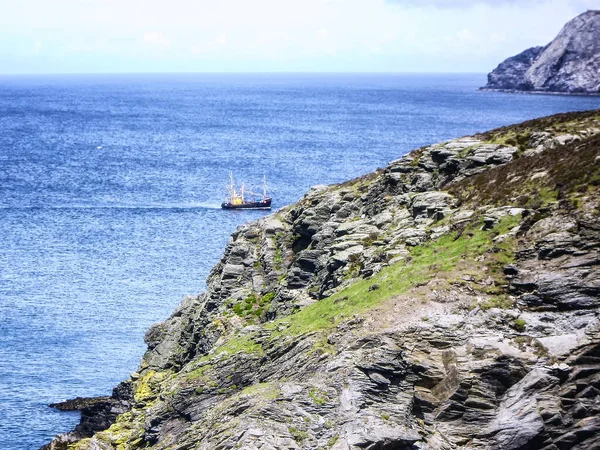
450, 300
569, 64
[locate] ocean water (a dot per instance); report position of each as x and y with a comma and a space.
110, 189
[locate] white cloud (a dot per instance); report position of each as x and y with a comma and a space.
287, 34
221, 39
213, 45
452, 4
156, 39
322, 34
466, 36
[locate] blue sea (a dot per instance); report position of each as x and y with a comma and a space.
110, 187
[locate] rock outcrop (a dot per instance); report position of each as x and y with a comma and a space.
450, 300
569, 64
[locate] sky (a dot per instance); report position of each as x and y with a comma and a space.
125, 36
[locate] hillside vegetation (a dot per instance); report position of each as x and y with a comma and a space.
450, 300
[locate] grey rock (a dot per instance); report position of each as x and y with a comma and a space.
430, 204
570, 63
421, 182
383, 219
342, 258
441, 154
232, 271
382, 436
409, 236
491, 154
256, 363
511, 73
518, 422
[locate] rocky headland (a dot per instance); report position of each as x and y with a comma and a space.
570, 64
449, 300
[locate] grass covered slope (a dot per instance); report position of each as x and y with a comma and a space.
449, 300
452, 254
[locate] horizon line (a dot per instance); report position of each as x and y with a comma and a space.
244, 73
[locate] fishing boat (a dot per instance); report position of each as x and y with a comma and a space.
245, 199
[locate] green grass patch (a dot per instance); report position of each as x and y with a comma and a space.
322, 347
267, 391
278, 259
512, 138
298, 435
240, 344
235, 344
441, 255
199, 373
318, 397
519, 324
267, 298
499, 302
253, 306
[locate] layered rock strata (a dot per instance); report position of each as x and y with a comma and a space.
450, 300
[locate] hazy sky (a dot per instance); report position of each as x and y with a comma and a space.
63, 36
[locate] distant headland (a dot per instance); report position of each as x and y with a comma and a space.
570, 64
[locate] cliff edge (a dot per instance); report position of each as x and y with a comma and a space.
450, 300
569, 64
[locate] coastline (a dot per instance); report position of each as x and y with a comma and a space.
298, 295
516, 91
404, 124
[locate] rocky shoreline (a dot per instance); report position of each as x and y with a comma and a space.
516, 91
449, 300
79, 403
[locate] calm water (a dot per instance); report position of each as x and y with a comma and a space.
99, 243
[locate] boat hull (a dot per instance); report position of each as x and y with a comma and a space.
262, 204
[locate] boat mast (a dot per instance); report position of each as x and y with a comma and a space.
231, 187
264, 187
242, 192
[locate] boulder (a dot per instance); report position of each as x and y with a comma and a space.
430, 204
